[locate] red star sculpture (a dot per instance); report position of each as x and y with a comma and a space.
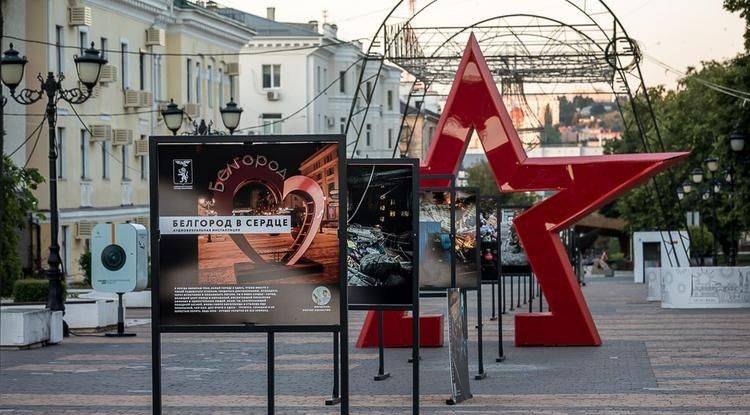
582, 184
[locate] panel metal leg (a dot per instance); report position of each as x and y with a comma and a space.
271, 381
382, 374
335, 398
480, 352
493, 317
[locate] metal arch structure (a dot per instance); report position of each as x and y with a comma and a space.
583, 50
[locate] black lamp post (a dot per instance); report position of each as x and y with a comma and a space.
737, 143
89, 67
230, 116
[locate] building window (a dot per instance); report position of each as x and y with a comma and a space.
342, 82
368, 135
59, 54
60, 141
369, 91
84, 154
342, 125
189, 80
271, 76
144, 164
390, 100
124, 65
390, 136
157, 78
221, 87
103, 44
83, 40
271, 123
232, 83
142, 70
209, 86
105, 159
198, 83
124, 163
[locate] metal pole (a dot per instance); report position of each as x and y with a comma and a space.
524, 290
335, 398
714, 225
511, 308
382, 375
492, 290
54, 274
270, 364
518, 297
531, 293
480, 349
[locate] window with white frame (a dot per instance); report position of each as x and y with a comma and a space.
144, 163
124, 60
271, 123
189, 80
125, 162
59, 53
157, 78
197, 82
103, 45
368, 135
142, 71
390, 100
60, 147
209, 86
83, 39
342, 82
84, 154
271, 76
342, 125
390, 136
221, 87
105, 159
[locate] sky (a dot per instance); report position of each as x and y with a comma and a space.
679, 33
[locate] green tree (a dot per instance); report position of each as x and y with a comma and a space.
697, 119
480, 175
18, 201
551, 133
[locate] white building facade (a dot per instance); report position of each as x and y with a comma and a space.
297, 78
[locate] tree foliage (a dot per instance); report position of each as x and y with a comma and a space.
480, 175
698, 119
743, 7
18, 201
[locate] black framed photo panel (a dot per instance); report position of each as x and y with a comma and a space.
381, 227
435, 238
488, 227
249, 231
466, 246
513, 258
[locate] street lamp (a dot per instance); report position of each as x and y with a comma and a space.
172, 116
696, 175
737, 141
230, 116
687, 187
680, 193
713, 164
88, 67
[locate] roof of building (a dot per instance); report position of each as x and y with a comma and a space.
268, 27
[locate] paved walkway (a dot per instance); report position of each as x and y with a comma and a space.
652, 360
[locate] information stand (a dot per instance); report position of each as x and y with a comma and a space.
225, 193
382, 223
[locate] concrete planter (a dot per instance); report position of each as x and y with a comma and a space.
705, 287
136, 299
25, 327
91, 314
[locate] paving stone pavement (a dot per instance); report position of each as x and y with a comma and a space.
652, 361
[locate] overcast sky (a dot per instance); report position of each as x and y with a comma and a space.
680, 33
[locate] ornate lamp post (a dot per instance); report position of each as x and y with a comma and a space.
88, 67
230, 116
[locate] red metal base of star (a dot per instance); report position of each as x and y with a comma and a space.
581, 185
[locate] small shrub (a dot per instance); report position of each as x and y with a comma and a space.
84, 262
32, 290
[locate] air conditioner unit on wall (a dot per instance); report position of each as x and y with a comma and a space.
101, 132
155, 37
233, 68
108, 74
122, 137
83, 229
273, 95
142, 220
94, 91
146, 99
79, 16
132, 98
141, 147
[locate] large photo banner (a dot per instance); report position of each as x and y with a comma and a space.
488, 234
466, 240
249, 233
512, 255
435, 239
380, 228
